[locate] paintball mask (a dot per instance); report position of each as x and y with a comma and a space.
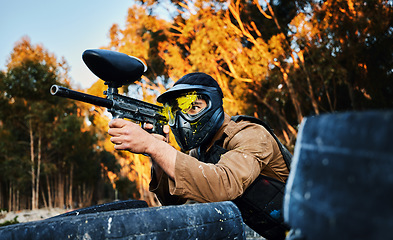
193, 124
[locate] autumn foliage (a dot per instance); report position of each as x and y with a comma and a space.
277, 60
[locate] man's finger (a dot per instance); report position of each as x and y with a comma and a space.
115, 140
148, 126
117, 123
113, 123
165, 129
114, 131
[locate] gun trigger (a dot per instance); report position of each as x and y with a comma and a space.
147, 130
117, 117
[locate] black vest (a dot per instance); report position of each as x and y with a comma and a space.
261, 202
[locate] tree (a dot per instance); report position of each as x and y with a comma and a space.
44, 136
278, 60
26, 87
360, 40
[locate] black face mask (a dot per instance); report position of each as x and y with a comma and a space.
192, 131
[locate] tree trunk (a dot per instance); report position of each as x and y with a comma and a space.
351, 94
49, 193
314, 102
37, 188
288, 82
60, 191
87, 195
292, 93
1, 196
80, 201
44, 199
33, 178
66, 194
10, 198
275, 112
70, 188
17, 200
14, 202
83, 194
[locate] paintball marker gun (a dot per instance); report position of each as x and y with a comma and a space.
116, 69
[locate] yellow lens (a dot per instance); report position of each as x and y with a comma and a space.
167, 112
185, 102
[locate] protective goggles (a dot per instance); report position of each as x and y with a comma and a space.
190, 105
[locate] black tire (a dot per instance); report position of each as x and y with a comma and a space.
117, 205
196, 221
340, 185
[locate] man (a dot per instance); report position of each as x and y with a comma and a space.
225, 157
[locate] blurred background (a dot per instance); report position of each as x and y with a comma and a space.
276, 60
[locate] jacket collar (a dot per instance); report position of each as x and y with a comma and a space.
220, 132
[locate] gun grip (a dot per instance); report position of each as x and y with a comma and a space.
160, 130
157, 128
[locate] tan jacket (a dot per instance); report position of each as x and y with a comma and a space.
252, 151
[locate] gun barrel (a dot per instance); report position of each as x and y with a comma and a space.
68, 93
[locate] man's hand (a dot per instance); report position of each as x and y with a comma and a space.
165, 129
127, 135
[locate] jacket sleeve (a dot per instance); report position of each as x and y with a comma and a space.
159, 185
249, 151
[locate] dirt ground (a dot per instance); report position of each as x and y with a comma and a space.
29, 215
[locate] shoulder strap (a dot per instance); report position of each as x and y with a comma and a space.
284, 151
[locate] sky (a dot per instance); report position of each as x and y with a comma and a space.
64, 28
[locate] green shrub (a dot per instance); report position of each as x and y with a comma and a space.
10, 222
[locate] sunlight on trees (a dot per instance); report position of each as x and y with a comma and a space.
315, 51
49, 155
276, 60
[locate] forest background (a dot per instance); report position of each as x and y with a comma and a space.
277, 60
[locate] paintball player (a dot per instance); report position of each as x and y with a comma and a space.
224, 156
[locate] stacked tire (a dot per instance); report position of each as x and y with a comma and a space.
196, 221
341, 182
